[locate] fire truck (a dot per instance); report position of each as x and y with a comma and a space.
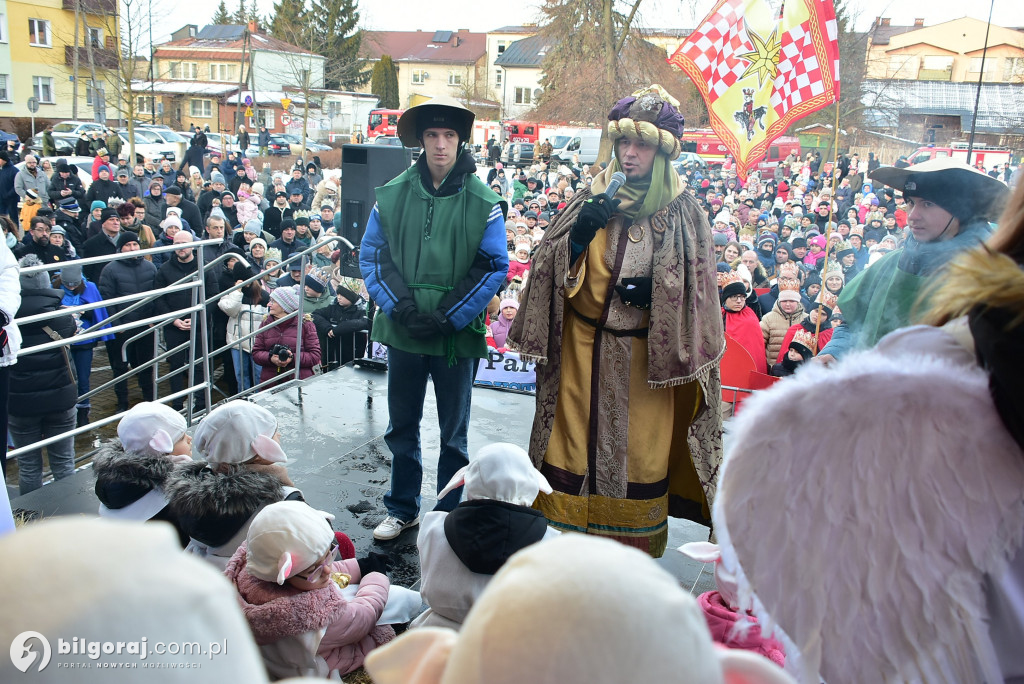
983, 156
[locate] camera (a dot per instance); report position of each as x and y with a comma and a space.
281, 351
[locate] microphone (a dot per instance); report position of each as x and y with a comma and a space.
617, 181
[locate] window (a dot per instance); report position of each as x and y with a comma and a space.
39, 32
1013, 69
42, 89
200, 108
523, 96
501, 46
975, 67
144, 105
94, 93
418, 76
454, 78
304, 78
184, 71
3, 28
265, 117
897, 63
224, 72
937, 63
497, 77
5, 94
96, 37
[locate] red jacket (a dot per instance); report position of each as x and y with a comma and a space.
286, 334
824, 335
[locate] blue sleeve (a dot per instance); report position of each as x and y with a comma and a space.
841, 342
487, 273
381, 277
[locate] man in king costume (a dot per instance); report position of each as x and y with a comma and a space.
621, 314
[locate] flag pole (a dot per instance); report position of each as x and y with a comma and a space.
828, 226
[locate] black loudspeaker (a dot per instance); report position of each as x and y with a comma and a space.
363, 169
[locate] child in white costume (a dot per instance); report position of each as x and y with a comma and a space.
460, 551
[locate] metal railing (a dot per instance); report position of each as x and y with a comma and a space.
200, 337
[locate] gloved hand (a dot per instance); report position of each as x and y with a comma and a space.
421, 327
635, 292
404, 312
441, 323
4, 319
374, 562
596, 212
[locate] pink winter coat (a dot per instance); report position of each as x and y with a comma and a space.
286, 334
246, 210
276, 612
722, 622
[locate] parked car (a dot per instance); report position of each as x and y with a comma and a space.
147, 147
163, 134
518, 153
295, 143
395, 141
65, 135
279, 145
689, 160
82, 164
216, 143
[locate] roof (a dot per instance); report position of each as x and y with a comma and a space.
183, 88
527, 29
208, 39
462, 47
1000, 108
528, 52
880, 35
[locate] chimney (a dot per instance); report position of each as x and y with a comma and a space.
918, 22
878, 21
886, 21
458, 41
253, 27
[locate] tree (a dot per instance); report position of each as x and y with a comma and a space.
244, 15
598, 56
334, 34
384, 82
289, 22
221, 16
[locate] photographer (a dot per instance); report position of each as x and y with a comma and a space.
274, 349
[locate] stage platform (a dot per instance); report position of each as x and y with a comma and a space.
332, 428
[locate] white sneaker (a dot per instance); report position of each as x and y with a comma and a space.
391, 527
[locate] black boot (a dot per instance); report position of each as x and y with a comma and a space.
83, 416
122, 404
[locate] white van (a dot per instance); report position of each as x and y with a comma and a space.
585, 143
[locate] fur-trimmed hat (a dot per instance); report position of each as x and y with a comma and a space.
649, 114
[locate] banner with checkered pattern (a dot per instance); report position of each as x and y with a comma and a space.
760, 69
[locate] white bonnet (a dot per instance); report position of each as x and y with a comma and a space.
151, 429
285, 538
501, 472
236, 432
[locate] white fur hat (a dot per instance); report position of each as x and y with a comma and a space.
285, 538
237, 432
151, 429
502, 472
573, 609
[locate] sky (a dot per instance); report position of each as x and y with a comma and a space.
434, 15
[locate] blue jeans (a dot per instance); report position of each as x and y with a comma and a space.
27, 430
245, 369
407, 387
82, 358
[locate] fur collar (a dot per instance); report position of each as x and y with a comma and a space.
123, 478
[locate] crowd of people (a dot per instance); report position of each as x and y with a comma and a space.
258, 220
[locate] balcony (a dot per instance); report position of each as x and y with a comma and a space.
935, 74
103, 58
95, 7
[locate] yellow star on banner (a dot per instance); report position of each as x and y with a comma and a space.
764, 61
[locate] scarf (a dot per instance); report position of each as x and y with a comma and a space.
642, 198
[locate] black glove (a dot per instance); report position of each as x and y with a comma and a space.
403, 312
596, 212
441, 323
374, 562
421, 327
639, 295
4, 319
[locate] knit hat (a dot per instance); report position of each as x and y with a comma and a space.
226, 194
253, 226
107, 213
285, 538
171, 220
216, 177
833, 270
258, 241
122, 172
316, 281
731, 285
648, 629
216, 212
257, 188
790, 293
70, 274
509, 301
239, 431
127, 237
341, 290
33, 281
804, 342
818, 240
57, 229
767, 239
273, 256
97, 204
287, 298
843, 249
813, 278
70, 205
721, 239
798, 242
151, 429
